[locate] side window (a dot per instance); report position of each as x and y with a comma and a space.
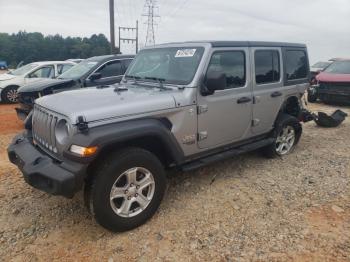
63, 68
296, 64
267, 66
113, 68
43, 72
232, 64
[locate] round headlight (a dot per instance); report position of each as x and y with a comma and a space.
62, 132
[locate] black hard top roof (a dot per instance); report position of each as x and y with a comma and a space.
254, 44
243, 44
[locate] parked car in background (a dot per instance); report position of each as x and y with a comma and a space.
3, 65
95, 71
11, 81
180, 105
76, 60
318, 68
333, 84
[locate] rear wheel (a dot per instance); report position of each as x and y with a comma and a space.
127, 189
286, 136
10, 95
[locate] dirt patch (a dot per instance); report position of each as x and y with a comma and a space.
295, 208
9, 123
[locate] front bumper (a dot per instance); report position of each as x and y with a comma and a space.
43, 172
338, 95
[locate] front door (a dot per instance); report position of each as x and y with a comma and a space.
111, 73
225, 116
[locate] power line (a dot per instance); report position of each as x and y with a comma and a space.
151, 11
179, 7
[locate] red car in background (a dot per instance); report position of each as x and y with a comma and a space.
333, 84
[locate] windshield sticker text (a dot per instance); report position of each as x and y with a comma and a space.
185, 53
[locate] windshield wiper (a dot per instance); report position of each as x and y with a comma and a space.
133, 77
160, 81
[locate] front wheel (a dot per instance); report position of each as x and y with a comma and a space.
286, 136
10, 95
127, 189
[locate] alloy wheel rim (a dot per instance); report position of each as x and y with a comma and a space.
12, 95
285, 140
132, 192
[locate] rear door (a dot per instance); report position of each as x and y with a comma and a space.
225, 117
267, 87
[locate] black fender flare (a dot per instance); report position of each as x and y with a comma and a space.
123, 132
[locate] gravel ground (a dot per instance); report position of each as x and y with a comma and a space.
249, 208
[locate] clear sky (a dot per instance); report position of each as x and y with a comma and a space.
324, 25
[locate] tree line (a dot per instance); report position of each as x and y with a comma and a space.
31, 47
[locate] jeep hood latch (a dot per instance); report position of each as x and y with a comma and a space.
82, 124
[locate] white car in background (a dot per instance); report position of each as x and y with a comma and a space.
11, 81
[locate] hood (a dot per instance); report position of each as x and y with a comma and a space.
99, 104
327, 77
4, 77
46, 83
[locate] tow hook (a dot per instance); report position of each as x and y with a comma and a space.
19, 140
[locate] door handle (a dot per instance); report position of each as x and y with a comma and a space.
276, 94
244, 100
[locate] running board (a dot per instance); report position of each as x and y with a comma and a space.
226, 154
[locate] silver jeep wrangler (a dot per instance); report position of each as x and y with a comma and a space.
180, 105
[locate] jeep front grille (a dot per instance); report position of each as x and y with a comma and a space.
44, 123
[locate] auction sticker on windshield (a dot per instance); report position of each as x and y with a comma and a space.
185, 53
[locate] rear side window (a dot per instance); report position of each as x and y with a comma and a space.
296, 64
267, 66
232, 63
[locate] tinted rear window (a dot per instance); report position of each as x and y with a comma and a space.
296, 64
267, 66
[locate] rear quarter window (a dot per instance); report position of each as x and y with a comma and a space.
296, 62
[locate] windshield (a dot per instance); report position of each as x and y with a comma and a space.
340, 67
78, 70
23, 70
321, 65
171, 65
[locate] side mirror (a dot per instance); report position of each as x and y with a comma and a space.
215, 80
95, 76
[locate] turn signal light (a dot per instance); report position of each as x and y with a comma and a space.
83, 151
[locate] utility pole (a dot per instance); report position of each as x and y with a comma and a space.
128, 39
150, 11
112, 30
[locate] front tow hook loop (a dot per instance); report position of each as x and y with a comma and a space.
19, 140
37, 161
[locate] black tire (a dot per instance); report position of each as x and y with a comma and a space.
7, 95
312, 98
112, 169
283, 122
